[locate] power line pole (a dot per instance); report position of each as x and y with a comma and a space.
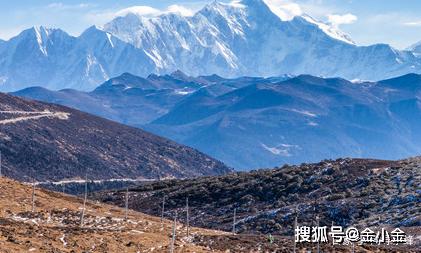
234, 221
174, 230
0, 165
187, 216
84, 201
127, 202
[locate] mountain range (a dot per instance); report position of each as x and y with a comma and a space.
244, 38
46, 142
253, 122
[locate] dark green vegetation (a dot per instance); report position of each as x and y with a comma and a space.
346, 192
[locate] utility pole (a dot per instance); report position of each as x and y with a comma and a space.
234, 221
127, 202
0, 165
187, 217
162, 210
33, 195
84, 201
174, 230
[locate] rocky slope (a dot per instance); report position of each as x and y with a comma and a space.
54, 226
346, 192
52, 142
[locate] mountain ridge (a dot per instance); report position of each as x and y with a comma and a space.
50, 147
231, 40
252, 122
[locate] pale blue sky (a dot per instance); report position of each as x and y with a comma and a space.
395, 22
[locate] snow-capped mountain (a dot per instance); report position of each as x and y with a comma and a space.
244, 38
416, 48
247, 38
53, 59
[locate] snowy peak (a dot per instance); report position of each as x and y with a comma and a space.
416, 48
40, 41
94, 36
329, 30
240, 38
40, 36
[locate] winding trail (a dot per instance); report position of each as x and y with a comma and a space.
31, 115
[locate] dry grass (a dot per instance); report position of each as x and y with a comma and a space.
55, 225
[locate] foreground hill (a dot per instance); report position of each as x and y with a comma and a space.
51, 142
54, 226
346, 192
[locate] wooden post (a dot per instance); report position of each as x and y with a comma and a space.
318, 241
84, 201
0, 165
187, 217
33, 195
234, 221
127, 202
162, 210
295, 227
174, 231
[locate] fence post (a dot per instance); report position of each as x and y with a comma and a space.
318, 241
173, 233
84, 201
187, 216
33, 195
126, 202
162, 210
234, 221
295, 227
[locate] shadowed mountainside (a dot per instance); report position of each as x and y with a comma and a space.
52, 142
